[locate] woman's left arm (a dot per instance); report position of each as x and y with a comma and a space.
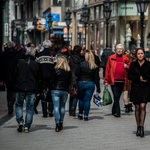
97, 79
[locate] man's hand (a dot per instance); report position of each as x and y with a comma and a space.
106, 84
125, 65
141, 79
38, 95
1, 82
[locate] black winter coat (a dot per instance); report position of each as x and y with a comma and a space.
61, 80
8, 62
140, 91
84, 73
105, 56
28, 75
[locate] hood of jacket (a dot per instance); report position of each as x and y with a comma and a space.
76, 59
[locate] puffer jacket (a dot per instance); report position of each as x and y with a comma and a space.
61, 80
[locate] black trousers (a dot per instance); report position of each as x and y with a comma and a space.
10, 94
46, 107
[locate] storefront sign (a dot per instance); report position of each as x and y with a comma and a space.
30, 25
6, 29
41, 24
57, 31
129, 9
65, 30
55, 17
46, 23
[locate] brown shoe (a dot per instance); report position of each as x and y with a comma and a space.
20, 126
26, 130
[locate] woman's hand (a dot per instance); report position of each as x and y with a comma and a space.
141, 79
125, 65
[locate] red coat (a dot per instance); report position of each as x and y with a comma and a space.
110, 69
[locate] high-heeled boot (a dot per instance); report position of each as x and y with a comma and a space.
142, 131
138, 132
61, 126
57, 127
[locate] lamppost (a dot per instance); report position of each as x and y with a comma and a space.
85, 16
68, 21
107, 13
23, 27
142, 7
49, 23
13, 28
35, 25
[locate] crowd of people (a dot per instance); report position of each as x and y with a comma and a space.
29, 70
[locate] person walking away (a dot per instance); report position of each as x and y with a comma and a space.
8, 61
61, 81
75, 60
116, 76
139, 73
97, 60
147, 54
28, 83
127, 89
88, 76
107, 52
47, 58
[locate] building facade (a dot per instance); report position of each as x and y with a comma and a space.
124, 24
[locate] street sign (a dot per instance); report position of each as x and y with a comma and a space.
55, 17
6, 29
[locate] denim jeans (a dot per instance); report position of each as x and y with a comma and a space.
85, 92
117, 89
59, 100
30, 99
72, 103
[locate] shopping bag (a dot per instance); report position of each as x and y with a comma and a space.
106, 97
97, 100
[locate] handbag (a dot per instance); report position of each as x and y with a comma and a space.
74, 88
97, 100
106, 97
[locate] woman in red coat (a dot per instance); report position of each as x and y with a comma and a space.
116, 76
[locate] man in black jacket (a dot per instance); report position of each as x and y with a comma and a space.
28, 77
8, 61
47, 58
107, 52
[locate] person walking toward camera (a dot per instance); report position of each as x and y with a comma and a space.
88, 75
139, 73
116, 76
28, 77
61, 81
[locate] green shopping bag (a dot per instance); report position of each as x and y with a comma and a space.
106, 97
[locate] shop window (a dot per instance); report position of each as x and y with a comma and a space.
57, 2
15, 12
40, 8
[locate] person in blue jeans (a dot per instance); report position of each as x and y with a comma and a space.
28, 77
88, 76
61, 81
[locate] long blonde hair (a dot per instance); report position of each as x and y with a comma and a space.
89, 57
62, 63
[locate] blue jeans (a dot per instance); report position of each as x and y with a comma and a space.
85, 92
72, 103
59, 100
30, 99
117, 89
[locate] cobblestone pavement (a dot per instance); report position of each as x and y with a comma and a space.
102, 132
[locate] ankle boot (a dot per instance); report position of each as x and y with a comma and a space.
61, 126
142, 131
130, 107
126, 108
138, 133
57, 127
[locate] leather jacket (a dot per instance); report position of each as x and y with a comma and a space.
61, 80
84, 73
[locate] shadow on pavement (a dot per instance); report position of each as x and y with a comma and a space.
5, 119
69, 127
147, 133
96, 117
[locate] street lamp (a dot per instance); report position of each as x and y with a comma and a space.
85, 16
107, 13
142, 7
23, 27
68, 21
49, 23
35, 25
13, 28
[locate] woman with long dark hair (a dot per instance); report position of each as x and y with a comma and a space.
139, 73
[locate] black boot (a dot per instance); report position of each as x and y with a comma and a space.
130, 107
126, 108
61, 126
138, 132
142, 131
57, 127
